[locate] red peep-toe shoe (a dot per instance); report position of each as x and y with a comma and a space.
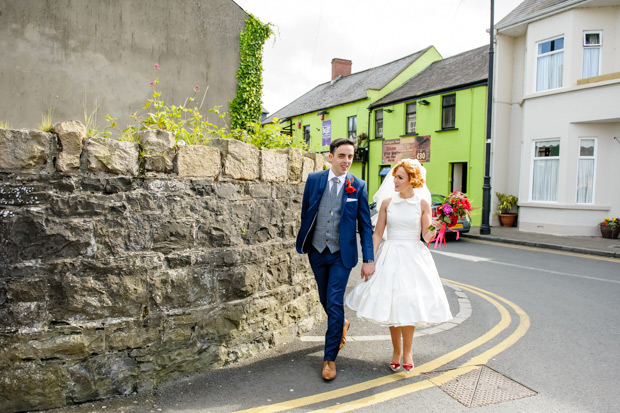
408, 367
394, 366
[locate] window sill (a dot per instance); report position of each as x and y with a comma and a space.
446, 130
550, 205
407, 135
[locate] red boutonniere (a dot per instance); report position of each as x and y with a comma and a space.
349, 188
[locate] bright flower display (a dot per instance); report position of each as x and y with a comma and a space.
454, 207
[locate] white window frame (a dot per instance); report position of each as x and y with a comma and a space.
579, 158
590, 46
354, 119
415, 118
534, 158
538, 56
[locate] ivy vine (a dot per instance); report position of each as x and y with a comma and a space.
246, 108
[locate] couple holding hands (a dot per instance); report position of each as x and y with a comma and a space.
401, 289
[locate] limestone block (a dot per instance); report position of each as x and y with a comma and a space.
273, 166
199, 161
117, 157
159, 149
294, 163
71, 135
318, 159
24, 149
306, 168
241, 160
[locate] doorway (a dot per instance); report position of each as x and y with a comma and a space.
458, 176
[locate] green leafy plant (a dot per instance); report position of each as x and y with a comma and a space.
266, 136
246, 108
506, 202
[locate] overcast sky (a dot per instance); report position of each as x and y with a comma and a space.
310, 33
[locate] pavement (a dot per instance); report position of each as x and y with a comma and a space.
580, 244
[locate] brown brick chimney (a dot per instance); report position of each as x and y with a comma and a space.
341, 67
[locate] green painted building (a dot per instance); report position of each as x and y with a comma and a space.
438, 117
339, 108
420, 106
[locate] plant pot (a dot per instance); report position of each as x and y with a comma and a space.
607, 231
507, 220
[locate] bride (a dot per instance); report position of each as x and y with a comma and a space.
405, 291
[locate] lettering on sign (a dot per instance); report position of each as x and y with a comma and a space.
417, 147
327, 132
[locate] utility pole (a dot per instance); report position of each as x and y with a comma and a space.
485, 228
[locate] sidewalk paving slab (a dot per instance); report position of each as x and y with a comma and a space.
580, 244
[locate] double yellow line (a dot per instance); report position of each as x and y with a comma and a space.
504, 323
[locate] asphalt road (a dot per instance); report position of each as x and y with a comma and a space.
545, 320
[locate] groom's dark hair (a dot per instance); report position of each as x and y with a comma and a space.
340, 142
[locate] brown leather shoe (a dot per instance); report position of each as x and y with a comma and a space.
329, 370
343, 340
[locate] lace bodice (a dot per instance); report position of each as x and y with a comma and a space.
404, 218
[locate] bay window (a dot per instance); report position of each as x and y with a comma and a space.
592, 42
550, 64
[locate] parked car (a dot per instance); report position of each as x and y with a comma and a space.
461, 226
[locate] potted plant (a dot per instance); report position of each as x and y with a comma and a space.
506, 202
610, 227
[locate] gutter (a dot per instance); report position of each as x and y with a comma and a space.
431, 93
543, 13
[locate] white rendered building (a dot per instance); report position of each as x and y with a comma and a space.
556, 114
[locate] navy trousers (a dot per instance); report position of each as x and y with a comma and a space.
331, 279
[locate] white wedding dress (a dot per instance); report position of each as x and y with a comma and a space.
405, 289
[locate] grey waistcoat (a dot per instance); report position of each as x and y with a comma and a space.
327, 228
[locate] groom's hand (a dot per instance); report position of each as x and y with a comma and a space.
368, 269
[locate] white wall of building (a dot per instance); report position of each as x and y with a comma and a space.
522, 115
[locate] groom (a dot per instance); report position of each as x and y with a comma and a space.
334, 204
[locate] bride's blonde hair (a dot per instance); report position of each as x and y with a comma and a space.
415, 176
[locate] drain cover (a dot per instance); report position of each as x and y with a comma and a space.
482, 386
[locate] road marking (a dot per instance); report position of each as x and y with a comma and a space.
463, 314
473, 363
504, 323
474, 258
465, 257
587, 277
550, 251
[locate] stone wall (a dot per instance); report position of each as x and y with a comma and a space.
123, 265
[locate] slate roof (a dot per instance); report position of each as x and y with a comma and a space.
464, 69
529, 9
347, 89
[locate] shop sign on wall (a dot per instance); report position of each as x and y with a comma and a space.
327, 132
417, 147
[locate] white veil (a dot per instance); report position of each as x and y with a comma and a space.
386, 190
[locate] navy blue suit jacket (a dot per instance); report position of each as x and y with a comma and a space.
355, 214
